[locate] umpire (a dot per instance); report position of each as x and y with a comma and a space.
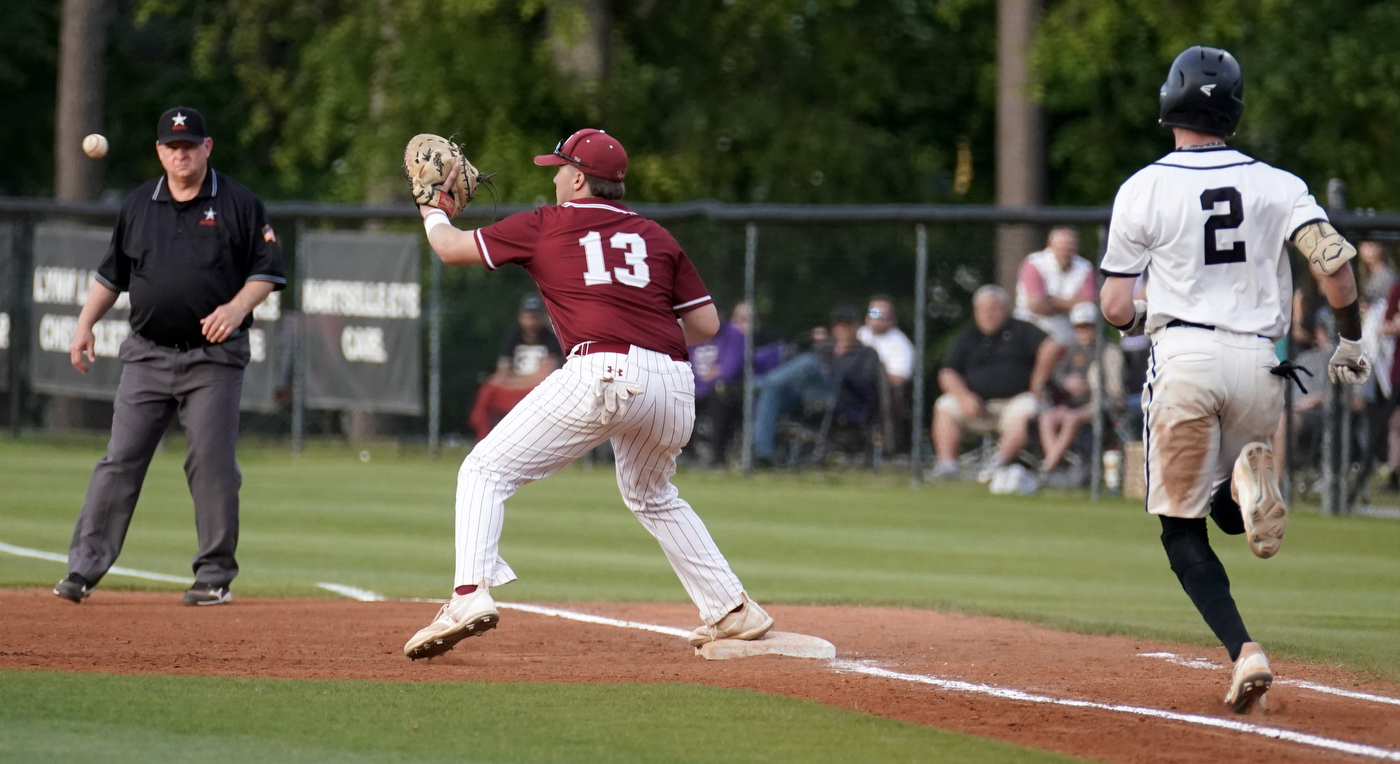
196, 252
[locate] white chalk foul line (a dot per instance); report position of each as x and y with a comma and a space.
1205, 721
354, 593
867, 669
586, 618
116, 570
1314, 686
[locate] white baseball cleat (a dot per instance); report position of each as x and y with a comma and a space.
465, 615
1250, 681
1254, 486
748, 622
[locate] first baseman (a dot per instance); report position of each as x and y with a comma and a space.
626, 302
1208, 226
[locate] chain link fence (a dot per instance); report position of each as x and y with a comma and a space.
794, 264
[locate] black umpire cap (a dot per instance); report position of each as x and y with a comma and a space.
181, 124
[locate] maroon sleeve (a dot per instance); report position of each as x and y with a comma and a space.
1392, 301
512, 240
689, 292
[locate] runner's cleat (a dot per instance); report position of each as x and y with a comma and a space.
1254, 486
1251, 679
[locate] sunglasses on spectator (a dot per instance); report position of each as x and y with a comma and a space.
877, 313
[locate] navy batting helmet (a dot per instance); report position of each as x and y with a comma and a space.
1204, 91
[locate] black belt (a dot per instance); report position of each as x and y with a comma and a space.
184, 347
1189, 325
1207, 327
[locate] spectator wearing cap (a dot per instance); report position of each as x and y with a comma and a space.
718, 365
1072, 388
993, 376
839, 371
529, 352
196, 253
1051, 282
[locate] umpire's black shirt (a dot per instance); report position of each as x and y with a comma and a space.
181, 260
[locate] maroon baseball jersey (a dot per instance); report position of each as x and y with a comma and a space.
606, 273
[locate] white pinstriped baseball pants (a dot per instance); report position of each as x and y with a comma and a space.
549, 429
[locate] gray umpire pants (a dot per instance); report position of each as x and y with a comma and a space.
203, 386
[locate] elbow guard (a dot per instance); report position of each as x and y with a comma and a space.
1326, 249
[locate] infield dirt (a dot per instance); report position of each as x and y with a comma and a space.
130, 632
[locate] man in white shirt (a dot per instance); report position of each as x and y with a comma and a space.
892, 345
1051, 282
1211, 224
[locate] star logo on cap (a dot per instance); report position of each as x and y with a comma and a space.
210, 214
179, 120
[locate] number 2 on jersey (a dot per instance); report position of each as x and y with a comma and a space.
639, 275
1228, 221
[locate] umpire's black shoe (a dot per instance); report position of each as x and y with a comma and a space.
74, 587
207, 594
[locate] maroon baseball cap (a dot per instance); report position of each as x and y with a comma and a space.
593, 152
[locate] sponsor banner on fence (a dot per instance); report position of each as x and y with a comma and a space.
65, 259
361, 304
7, 288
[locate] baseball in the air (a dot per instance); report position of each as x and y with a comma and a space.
95, 146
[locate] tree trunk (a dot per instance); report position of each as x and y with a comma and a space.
82, 87
1020, 135
580, 39
82, 80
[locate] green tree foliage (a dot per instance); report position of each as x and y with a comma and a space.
1322, 88
775, 100
28, 81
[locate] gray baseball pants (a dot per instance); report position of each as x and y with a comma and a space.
203, 386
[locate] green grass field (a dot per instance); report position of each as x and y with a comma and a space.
1333, 595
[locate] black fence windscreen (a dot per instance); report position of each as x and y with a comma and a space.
362, 303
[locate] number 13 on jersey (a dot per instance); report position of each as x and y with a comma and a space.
635, 247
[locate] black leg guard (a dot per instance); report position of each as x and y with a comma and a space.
1226, 512
1204, 579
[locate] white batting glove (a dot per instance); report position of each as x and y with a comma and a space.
1348, 365
611, 397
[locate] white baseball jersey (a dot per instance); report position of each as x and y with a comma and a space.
1210, 226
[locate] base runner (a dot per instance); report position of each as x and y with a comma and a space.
1208, 225
626, 302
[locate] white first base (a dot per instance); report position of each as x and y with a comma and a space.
773, 643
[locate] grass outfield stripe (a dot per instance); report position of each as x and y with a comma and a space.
1318, 741
115, 570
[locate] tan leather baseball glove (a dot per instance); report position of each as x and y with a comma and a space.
426, 162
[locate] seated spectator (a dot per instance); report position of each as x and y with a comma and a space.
718, 365
1073, 407
839, 372
1051, 282
896, 352
893, 346
529, 352
994, 374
